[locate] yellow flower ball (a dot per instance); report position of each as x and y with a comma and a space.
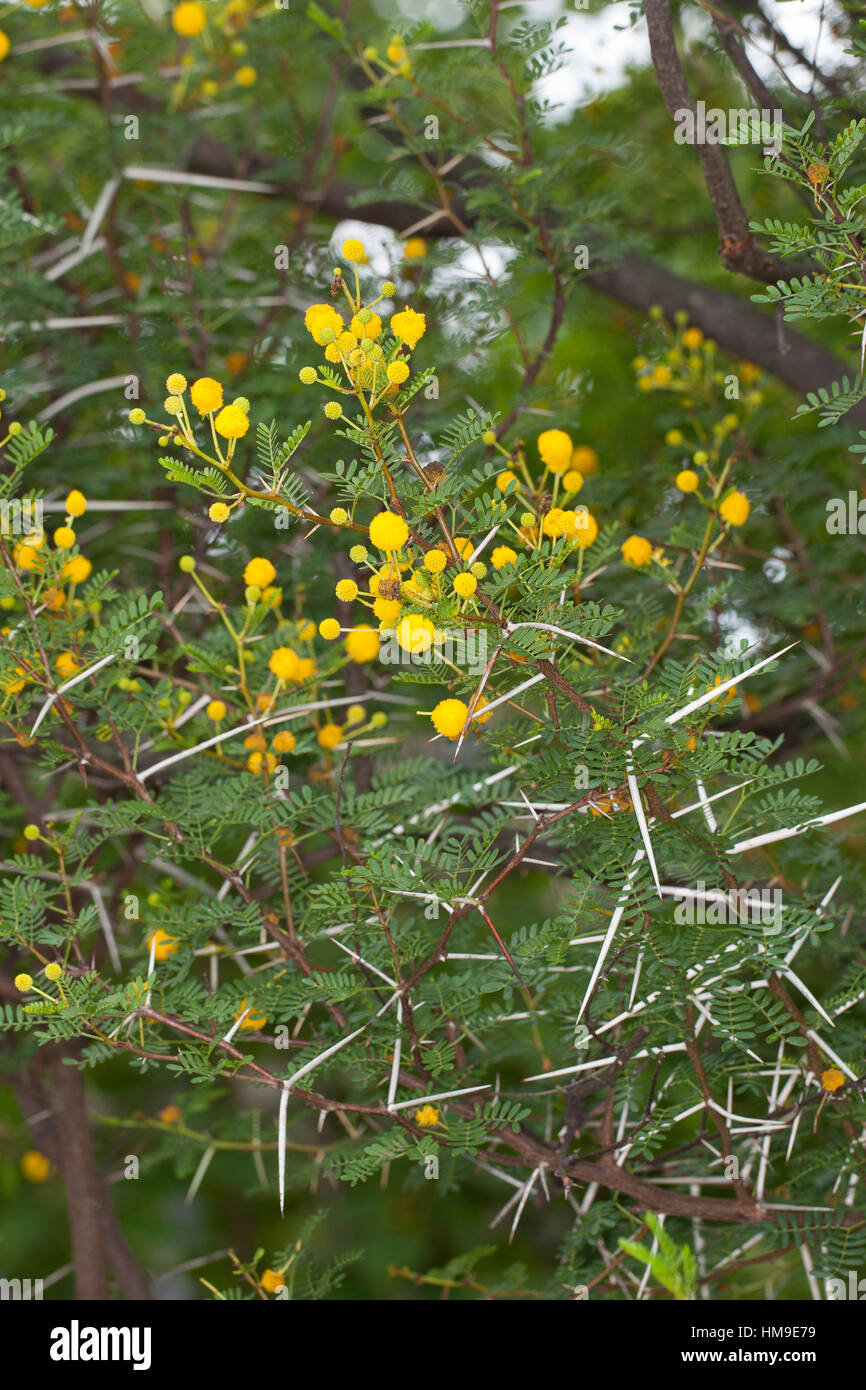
435, 561
175, 384
206, 394
284, 742
272, 1280
321, 318
329, 628
448, 718
218, 512
415, 633
53, 971
465, 585
585, 528
333, 410
572, 480
415, 249
259, 572
395, 52
735, 508
369, 327
346, 590
687, 480
503, 555
427, 1115
31, 832
353, 250
251, 1021
216, 711
388, 531
674, 438
362, 644
64, 538
307, 375
66, 664
555, 450
162, 944
23, 982
76, 503
584, 460
285, 664
246, 76
692, 338
661, 376
338, 515
189, 19
637, 550
329, 735
832, 1079
387, 611
504, 478
232, 422
77, 569
397, 372
408, 326
35, 1167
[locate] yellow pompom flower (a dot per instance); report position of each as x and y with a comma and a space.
258, 761
35, 1167
218, 512
23, 982
189, 19
369, 328
396, 51
435, 561
232, 422
353, 250
415, 633
503, 555
170, 1114
832, 1079
415, 249
504, 478
388, 531
572, 481
687, 480
206, 394
53, 971
637, 550
162, 944
338, 515
284, 742
397, 372
285, 664
5, 45
346, 590
427, 1115
329, 628
329, 735
333, 410
216, 711
175, 384
251, 1021
448, 718
246, 76
674, 438
555, 450
76, 503
321, 317
408, 326
64, 538
307, 375
77, 569
272, 1280
362, 644
735, 509
259, 572
692, 338
585, 528
465, 585
387, 610
66, 664
584, 460
661, 376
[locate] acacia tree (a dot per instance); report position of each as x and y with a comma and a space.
426, 699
